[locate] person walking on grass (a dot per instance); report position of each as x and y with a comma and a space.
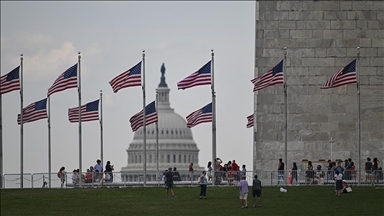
256, 191
243, 192
169, 182
203, 184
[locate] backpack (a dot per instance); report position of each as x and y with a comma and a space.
340, 169
59, 174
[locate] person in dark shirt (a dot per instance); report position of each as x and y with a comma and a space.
310, 173
376, 172
108, 169
368, 169
256, 191
169, 182
330, 170
280, 171
294, 172
176, 175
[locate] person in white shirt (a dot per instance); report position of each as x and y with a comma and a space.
203, 180
98, 169
75, 178
243, 171
339, 184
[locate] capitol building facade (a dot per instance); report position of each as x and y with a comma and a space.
176, 147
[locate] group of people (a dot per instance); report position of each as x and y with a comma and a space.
95, 173
171, 175
318, 176
243, 188
228, 172
314, 176
372, 170
349, 169
175, 175
256, 192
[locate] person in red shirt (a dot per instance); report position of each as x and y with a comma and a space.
235, 170
88, 176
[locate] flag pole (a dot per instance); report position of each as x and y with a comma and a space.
101, 127
285, 113
255, 100
79, 91
144, 126
157, 134
358, 121
1, 140
213, 118
21, 124
49, 140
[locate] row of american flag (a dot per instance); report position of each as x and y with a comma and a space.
274, 76
90, 111
132, 77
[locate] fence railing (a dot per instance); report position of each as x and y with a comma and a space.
124, 179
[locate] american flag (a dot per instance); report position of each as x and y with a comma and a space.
129, 78
10, 81
34, 111
272, 77
89, 112
345, 76
251, 119
200, 77
200, 116
66, 80
150, 117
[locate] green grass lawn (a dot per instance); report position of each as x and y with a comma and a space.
300, 200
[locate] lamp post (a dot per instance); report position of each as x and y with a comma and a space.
331, 142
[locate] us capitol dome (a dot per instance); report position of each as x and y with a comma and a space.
176, 145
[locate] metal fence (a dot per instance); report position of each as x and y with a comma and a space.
123, 179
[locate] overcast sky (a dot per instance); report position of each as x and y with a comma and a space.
111, 37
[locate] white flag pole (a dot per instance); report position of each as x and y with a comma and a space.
1, 141
213, 118
157, 134
144, 126
358, 121
285, 114
101, 126
49, 141
21, 125
79, 91
255, 100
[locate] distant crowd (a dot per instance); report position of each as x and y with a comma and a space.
95, 173
231, 172
227, 172
347, 169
